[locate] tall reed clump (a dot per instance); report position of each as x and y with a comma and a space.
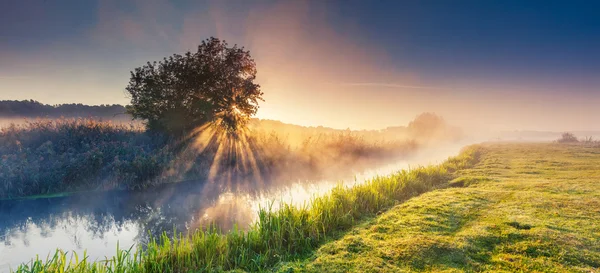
50, 156
68, 155
278, 235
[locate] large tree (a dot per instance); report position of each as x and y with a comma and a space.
214, 84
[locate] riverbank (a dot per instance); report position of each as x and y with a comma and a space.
523, 208
277, 236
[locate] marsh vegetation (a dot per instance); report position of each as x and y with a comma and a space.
42, 157
278, 235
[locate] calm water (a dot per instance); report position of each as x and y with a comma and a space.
98, 222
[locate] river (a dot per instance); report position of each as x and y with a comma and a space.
97, 222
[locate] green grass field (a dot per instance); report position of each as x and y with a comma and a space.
522, 208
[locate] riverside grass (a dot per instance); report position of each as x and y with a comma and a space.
525, 207
288, 233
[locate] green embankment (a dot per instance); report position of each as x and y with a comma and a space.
287, 234
522, 208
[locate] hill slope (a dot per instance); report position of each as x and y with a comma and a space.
524, 207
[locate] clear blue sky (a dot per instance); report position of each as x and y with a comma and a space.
395, 57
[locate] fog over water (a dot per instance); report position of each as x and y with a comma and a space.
98, 222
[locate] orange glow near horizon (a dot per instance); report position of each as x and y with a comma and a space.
311, 73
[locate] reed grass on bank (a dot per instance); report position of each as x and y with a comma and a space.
277, 236
43, 157
48, 156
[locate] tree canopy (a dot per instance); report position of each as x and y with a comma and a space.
215, 84
427, 124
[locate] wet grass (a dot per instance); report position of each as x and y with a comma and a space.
522, 208
287, 234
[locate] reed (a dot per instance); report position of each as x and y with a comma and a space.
278, 235
46, 157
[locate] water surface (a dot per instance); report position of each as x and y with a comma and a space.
97, 222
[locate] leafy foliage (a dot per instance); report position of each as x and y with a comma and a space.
182, 92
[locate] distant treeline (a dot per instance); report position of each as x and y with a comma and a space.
35, 109
425, 127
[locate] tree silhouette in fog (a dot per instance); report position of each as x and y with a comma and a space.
427, 124
215, 84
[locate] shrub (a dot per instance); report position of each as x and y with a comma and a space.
567, 137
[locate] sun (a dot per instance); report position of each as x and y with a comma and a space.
236, 110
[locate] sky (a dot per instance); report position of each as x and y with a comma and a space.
344, 64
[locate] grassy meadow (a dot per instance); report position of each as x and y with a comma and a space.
287, 234
522, 208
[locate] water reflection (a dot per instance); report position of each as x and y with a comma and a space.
97, 221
